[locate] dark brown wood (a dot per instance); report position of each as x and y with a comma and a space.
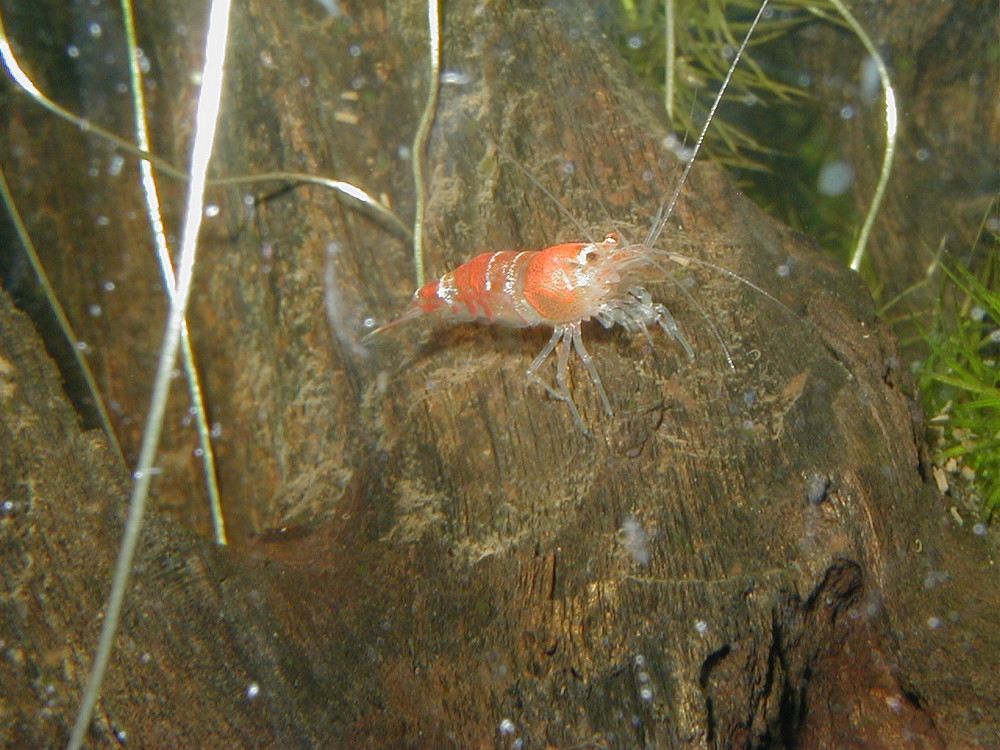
426, 547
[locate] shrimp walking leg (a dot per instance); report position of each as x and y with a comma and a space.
562, 335
543, 355
570, 330
588, 362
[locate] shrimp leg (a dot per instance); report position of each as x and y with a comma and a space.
560, 334
588, 362
569, 333
531, 372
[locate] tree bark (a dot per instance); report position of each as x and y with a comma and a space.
428, 553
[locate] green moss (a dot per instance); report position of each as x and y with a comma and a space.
960, 378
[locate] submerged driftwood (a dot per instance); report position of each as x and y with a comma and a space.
428, 554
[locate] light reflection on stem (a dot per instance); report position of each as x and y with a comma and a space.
420, 140
206, 119
891, 126
167, 271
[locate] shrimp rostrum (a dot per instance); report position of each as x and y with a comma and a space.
561, 286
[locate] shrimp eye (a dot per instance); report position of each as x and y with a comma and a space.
590, 257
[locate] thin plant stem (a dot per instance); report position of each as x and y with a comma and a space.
167, 270
206, 119
420, 140
61, 319
670, 57
346, 190
891, 127
355, 195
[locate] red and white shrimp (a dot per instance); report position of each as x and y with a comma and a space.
565, 285
561, 286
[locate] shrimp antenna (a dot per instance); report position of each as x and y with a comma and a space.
683, 260
708, 319
663, 215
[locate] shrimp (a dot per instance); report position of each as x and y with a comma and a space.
565, 285
561, 286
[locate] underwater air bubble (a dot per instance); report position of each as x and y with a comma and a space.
332, 7
144, 64
871, 83
672, 142
116, 164
455, 78
634, 539
817, 489
835, 178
